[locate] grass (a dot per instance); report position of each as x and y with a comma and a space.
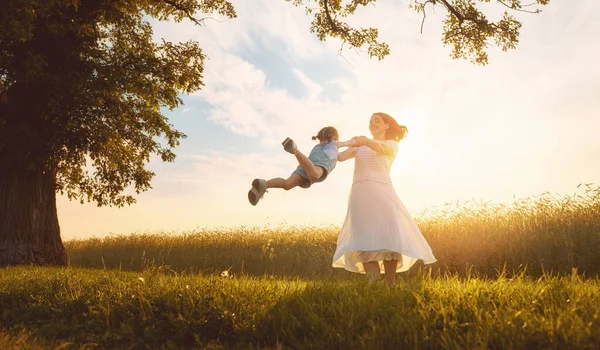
517, 276
23, 340
80, 307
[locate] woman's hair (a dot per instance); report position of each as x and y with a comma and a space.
396, 131
328, 133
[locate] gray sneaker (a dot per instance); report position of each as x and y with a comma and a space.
289, 146
259, 187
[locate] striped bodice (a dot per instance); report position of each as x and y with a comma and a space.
373, 166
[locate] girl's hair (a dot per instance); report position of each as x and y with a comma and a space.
328, 133
396, 131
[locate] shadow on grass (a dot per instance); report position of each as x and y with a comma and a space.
119, 310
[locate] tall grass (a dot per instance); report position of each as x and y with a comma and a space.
24, 340
541, 233
546, 232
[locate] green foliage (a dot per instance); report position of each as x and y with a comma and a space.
82, 85
326, 24
119, 310
541, 233
466, 28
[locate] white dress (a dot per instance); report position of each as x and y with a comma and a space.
378, 227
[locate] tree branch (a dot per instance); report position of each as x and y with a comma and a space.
519, 9
214, 19
189, 15
330, 20
432, 2
334, 26
456, 14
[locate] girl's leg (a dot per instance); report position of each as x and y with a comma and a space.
314, 172
390, 267
372, 271
287, 184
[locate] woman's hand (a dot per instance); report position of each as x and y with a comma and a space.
359, 141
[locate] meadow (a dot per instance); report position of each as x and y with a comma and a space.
545, 233
518, 276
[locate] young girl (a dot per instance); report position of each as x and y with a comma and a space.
314, 168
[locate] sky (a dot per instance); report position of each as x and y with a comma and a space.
524, 124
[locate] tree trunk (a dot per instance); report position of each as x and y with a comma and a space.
29, 230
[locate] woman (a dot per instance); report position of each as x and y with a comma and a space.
378, 230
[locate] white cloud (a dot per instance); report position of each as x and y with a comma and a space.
313, 89
245, 102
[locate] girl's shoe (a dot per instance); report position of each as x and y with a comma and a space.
259, 187
289, 146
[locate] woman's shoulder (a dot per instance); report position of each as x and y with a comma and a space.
394, 145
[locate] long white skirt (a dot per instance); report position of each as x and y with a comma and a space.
378, 227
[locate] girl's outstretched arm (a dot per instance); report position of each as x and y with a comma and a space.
347, 154
350, 152
349, 143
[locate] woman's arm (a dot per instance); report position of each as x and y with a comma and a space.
377, 146
347, 154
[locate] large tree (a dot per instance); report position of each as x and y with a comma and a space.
82, 84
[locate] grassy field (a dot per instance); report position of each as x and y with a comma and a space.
520, 276
544, 233
87, 308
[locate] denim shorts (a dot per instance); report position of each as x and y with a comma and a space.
319, 158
